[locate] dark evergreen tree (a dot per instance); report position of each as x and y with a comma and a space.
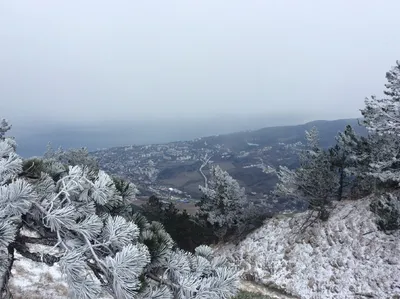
184, 229
314, 182
345, 159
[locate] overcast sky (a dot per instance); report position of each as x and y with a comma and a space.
106, 60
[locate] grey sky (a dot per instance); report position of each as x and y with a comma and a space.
105, 60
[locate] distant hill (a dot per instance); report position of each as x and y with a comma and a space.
33, 137
251, 157
285, 134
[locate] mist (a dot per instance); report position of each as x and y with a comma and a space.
101, 74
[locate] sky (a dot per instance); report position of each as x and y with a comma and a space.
102, 61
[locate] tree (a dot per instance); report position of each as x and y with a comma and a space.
222, 202
382, 116
4, 127
346, 158
123, 255
387, 209
73, 157
381, 161
13, 191
314, 182
184, 229
382, 119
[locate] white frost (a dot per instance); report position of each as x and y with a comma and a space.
345, 257
34, 280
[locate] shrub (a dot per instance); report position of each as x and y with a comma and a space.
387, 208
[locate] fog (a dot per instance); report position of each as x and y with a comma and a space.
93, 63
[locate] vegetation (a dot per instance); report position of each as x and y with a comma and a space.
387, 208
355, 166
222, 202
125, 255
314, 182
184, 229
224, 207
342, 160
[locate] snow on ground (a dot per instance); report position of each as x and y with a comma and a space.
345, 257
32, 280
36, 280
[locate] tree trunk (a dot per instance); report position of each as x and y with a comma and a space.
341, 182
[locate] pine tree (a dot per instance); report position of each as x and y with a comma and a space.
73, 157
382, 116
4, 127
347, 157
15, 197
123, 255
377, 161
314, 182
185, 229
382, 119
222, 202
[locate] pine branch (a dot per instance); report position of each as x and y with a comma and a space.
4, 289
96, 258
96, 271
161, 280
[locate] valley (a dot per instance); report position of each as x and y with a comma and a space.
174, 170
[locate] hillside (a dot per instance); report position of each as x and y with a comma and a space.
251, 157
345, 257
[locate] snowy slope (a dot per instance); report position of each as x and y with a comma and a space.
32, 280
345, 257
36, 280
